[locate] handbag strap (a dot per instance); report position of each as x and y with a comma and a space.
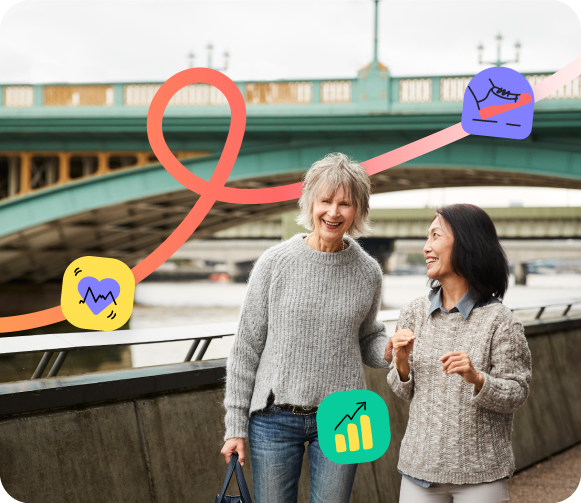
233, 464
242, 487
242, 484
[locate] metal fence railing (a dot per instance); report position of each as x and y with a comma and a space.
200, 335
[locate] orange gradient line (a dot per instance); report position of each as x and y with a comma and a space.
215, 190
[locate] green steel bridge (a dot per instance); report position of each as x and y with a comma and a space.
77, 176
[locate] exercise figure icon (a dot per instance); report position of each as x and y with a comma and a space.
353, 426
498, 102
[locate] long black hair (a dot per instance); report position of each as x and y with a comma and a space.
477, 254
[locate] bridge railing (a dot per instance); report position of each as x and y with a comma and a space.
132, 95
371, 92
200, 335
399, 91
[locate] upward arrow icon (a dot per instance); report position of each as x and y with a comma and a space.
361, 404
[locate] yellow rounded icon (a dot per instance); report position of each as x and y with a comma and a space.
98, 293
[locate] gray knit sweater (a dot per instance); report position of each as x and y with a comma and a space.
455, 433
308, 323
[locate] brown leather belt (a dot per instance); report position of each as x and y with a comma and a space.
296, 409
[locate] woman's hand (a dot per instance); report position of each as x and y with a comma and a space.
388, 355
388, 350
231, 446
458, 362
403, 343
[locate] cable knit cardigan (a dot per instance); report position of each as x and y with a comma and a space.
455, 433
307, 326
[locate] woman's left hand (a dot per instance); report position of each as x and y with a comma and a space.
388, 355
388, 351
458, 362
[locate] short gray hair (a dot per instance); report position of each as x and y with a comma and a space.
331, 172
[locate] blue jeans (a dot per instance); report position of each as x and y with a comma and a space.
277, 437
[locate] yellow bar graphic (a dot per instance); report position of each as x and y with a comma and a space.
366, 432
340, 443
353, 435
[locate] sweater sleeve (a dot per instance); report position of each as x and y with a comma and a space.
506, 385
372, 333
246, 350
403, 389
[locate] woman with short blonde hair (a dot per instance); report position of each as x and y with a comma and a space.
331, 173
307, 326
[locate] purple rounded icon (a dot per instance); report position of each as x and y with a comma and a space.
498, 102
97, 295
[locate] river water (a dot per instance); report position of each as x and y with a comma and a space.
201, 302
159, 305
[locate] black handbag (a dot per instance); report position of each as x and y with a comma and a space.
244, 494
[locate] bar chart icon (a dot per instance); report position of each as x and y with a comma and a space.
353, 426
353, 436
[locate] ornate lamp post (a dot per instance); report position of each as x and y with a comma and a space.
226, 56
210, 48
375, 64
498, 61
372, 88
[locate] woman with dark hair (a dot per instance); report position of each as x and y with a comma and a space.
462, 359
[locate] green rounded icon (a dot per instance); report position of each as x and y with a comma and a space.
353, 426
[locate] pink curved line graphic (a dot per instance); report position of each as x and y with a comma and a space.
215, 190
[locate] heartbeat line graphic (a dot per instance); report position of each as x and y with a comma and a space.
216, 190
363, 404
98, 297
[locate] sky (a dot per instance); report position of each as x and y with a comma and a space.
137, 41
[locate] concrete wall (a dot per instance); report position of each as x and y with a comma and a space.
167, 448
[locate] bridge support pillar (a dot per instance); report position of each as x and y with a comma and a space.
379, 248
102, 166
520, 270
14, 167
25, 170
63, 168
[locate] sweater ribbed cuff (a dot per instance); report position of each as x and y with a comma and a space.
402, 389
490, 396
236, 424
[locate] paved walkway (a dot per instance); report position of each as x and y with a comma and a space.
550, 481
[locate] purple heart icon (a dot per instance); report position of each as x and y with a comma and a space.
98, 294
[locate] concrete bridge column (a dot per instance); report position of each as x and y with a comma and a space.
63, 167
25, 170
102, 163
13, 175
380, 249
520, 270
519, 264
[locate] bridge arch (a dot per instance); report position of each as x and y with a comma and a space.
127, 214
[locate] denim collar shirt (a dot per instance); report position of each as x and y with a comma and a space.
465, 306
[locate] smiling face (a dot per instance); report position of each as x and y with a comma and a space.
438, 250
332, 215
